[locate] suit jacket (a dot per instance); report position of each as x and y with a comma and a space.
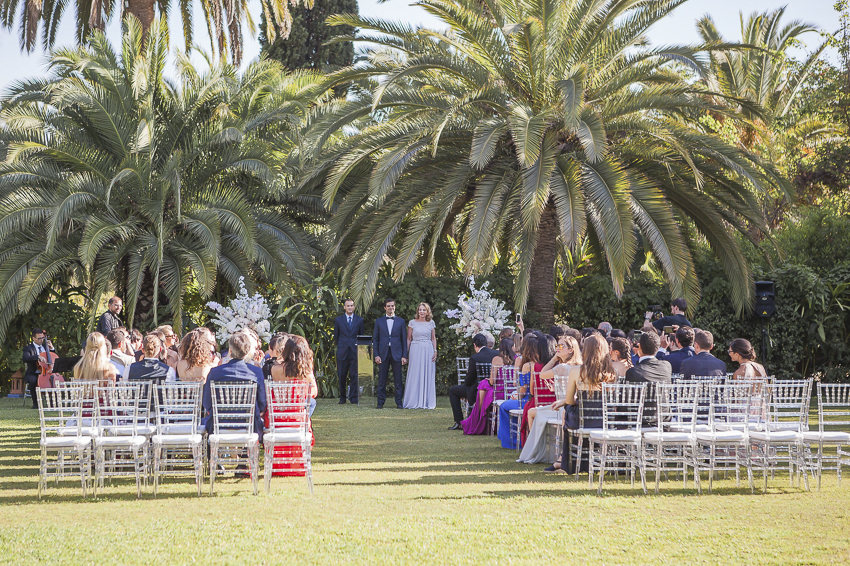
485, 356
671, 320
30, 357
676, 358
107, 322
235, 371
346, 337
382, 339
702, 364
650, 370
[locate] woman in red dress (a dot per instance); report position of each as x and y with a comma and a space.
294, 363
542, 390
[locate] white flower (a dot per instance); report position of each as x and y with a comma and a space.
479, 312
243, 312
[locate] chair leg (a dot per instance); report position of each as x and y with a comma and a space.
213, 466
268, 465
766, 459
589, 461
578, 458
642, 468
136, 470
157, 455
197, 460
254, 464
602, 463
658, 449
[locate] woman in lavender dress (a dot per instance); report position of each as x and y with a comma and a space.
420, 391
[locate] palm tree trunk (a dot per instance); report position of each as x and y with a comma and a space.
541, 288
144, 12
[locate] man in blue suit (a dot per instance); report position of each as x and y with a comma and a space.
346, 328
389, 343
242, 347
703, 363
685, 339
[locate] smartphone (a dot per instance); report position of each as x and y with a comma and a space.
518, 318
668, 330
637, 335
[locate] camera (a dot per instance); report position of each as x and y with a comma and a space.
656, 311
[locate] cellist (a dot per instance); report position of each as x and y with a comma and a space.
32, 357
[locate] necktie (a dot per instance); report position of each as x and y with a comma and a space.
349, 322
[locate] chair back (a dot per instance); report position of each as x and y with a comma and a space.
833, 407
589, 409
561, 386
504, 383
462, 369
677, 402
544, 393
622, 405
117, 409
233, 407
86, 395
729, 406
288, 404
787, 404
178, 407
483, 369
704, 394
57, 407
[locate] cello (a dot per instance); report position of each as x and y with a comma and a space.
47, 379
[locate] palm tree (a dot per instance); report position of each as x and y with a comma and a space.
224, 19
130, 182
523, 128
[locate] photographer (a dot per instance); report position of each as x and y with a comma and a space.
676, 318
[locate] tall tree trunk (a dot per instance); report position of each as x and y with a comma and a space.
144, 12
541, 288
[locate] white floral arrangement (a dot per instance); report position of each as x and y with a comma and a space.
244, 312
479, 313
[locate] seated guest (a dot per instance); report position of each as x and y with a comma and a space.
542, 390
491, 341
617, 333
649, 370
163, 354
567, 356
520, 397
684, 341
257, 360
469, 389
151, 368
742, 352
197, 356
276, 344
115, 340
237, 370
605, 328
621, 355
556, 331
675, 318
476, 422
136, 344
703, 363
170, 341
594, 370
95, 365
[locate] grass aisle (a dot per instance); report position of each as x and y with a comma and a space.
395, 487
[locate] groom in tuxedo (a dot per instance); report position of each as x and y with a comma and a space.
389, 343
346, 328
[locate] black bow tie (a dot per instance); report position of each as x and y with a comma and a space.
390, 317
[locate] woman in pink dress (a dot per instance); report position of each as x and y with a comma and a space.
476, 423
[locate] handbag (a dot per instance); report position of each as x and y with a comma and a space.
571, 420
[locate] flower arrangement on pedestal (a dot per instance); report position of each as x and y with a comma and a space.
244, 311
479, 313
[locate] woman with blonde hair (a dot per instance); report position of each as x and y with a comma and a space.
294, 363
169, 345
420, 392
95, 364
196, 357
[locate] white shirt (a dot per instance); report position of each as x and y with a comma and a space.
170, 376
642, 358
390, 324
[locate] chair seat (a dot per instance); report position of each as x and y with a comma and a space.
498, 402
586, 431
555, 421
283, 437
616, 435
176, 439
249, 438
685, 426
65, 441
832, 436
182, 429
120, 430
118, 441
671, 437
649, 429
515, 412
72, 431
727, 436
775, 435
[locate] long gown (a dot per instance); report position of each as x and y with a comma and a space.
420, 391
476, 423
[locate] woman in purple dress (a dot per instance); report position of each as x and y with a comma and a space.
477, 421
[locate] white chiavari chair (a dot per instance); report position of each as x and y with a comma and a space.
727, 441
555, 425
120, 449
289, 430
620, 440
56, 408
778, 435
590, 419
233, 440
833, 429
462, 370
675, 403
503, 388
178, 436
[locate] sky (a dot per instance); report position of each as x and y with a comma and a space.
678, 28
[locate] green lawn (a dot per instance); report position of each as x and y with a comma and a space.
395, 487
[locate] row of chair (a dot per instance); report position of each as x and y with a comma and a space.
144, 430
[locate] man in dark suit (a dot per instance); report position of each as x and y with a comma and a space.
242, 348
703, 363
469, 389
685, 340
109, 320
30, 357
389, 344
346, 328
675, 318
649, 370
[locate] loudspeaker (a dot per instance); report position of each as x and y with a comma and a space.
765, 299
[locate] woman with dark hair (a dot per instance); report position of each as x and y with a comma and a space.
530, 357
476, 423
741, 351
542, 391
621, 356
